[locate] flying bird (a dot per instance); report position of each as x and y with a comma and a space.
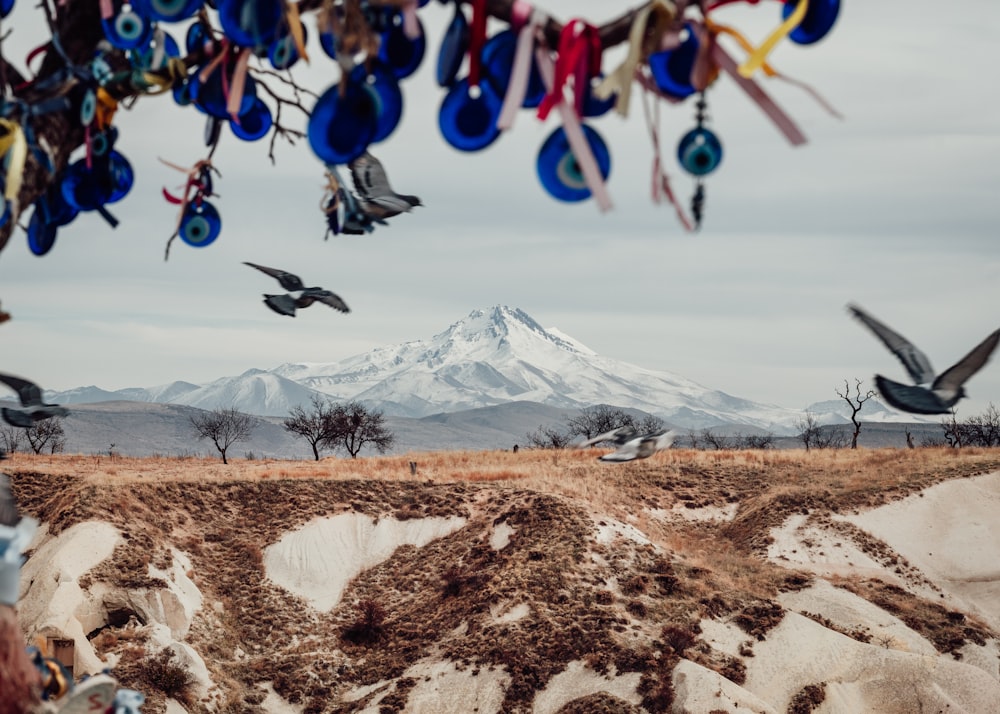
641, 447
372, 201
944, 390
34, 410
377, 199
287, 304
618, 436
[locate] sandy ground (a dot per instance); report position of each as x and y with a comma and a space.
319, 559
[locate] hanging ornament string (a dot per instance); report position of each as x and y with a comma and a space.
525, 21
768, 69
477, 38
781, 120
198, 180
757, 58
661, 183
574, 133
643, 41
579, 57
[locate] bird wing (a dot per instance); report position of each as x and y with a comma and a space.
619, 435
369, 178
281, 304
289, 281
16, 417
627, 452
326, 297
915, 361
916, 400
8, 506
956, 375
29, 393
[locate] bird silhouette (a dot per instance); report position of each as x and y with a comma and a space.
287, 304
944, 390
34, 410
641, 447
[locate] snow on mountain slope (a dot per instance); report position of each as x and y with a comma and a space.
501, 354
487, 358
255, 392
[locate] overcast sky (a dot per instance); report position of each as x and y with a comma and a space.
897, 207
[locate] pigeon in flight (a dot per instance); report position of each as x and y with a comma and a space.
618, 436
641, 447
372, 202
287, 304
945, 389
34, 409
377, 199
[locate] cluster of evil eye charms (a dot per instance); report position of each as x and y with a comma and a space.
90, 183
367, 108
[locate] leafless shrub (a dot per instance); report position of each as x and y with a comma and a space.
547, 437
368, 628
807, 699
163, 674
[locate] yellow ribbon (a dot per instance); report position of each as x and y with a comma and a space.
717, 29
163, 80
295, 27
106, 108
662, 14
758, 56
14, 152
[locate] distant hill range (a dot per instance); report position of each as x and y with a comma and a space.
484, 382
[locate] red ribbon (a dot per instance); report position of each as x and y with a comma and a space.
477, 38
579, 56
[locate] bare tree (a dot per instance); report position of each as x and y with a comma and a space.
809, 432
952, 431
650, 424
598, 420
716, 441
909, 440
984, 429
224, 427
753, 441
355, 426
547, 437
11, 438
316, 425
46, 433
855, 402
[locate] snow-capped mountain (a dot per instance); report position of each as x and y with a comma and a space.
501, 354
490, 357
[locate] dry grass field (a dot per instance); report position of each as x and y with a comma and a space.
619, 604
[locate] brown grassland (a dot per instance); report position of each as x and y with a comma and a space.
629, 607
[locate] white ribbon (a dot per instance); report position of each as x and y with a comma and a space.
574, 134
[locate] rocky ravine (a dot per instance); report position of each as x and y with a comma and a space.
699, 591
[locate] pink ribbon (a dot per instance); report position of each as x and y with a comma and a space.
521, 70
661, 183
107, 9
574, 134
411, 28
235, 98
777, 115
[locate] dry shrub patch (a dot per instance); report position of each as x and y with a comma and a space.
438, 599
807, 699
